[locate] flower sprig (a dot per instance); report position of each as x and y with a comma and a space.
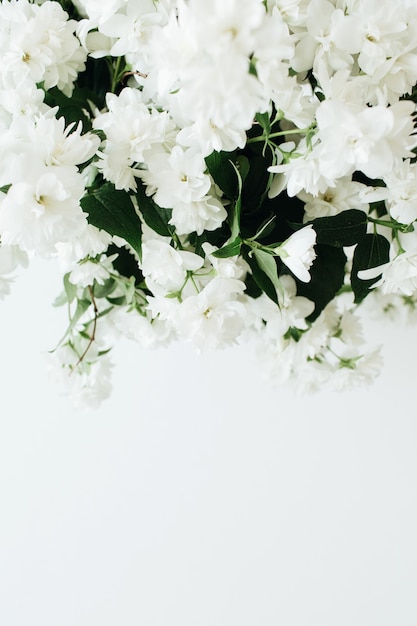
212, 173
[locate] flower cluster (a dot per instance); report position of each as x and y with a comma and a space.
216, 172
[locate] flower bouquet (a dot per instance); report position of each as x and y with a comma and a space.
217, 172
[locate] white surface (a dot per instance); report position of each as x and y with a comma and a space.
198, 497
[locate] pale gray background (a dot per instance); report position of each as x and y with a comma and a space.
197, 496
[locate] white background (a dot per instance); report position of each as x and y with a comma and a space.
197, 496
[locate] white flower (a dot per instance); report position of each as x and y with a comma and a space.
402, 192
208, 213
38, 214
209, 135
88, 271
297, 252
398, 276
370, 139
60, 145
292, 312
166, 268
331, 34
39, 44
130, 30
90, 241
88, 382
148, 332
303, 172
134, 132
354, 370
388, 46
11, 257
213, 318
231, 267
346, 194
102, 12
177, 177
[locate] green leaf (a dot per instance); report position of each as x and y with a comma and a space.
60, 300
237, 208
95, 82
264, 121
104, 290
261, 278
5, 188
268, 265
82, 307
125, 263
265, 228
252, 288
372, 251
69, 293
257, 180
72, 109
120, 301
223, 172
155, 216
70, 288
230, 249
327, 277
112, 210
344, 229
242, 164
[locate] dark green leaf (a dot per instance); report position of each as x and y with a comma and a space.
155, 216
265, 228
230, 249
95, 82
222, 171
252, 288
242, 164
112, 210
125, 263
327, 277
372, 251
71, 109
256, 181
120, 301
344, 229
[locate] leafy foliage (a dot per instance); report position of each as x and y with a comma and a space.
112, 210
220, 166
327, 278
372, 251
345, 229
262, 278
156, 217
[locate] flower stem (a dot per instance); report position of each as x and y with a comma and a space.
403, 228
281, 133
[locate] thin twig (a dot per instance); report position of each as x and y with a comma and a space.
93, 334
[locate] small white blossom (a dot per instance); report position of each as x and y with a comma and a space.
297, 252
214, 318
11, 257
166, 268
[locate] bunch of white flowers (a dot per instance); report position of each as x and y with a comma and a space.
217, 172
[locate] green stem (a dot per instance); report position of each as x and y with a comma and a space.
281, 133
403, 228
397, 239
115, 72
